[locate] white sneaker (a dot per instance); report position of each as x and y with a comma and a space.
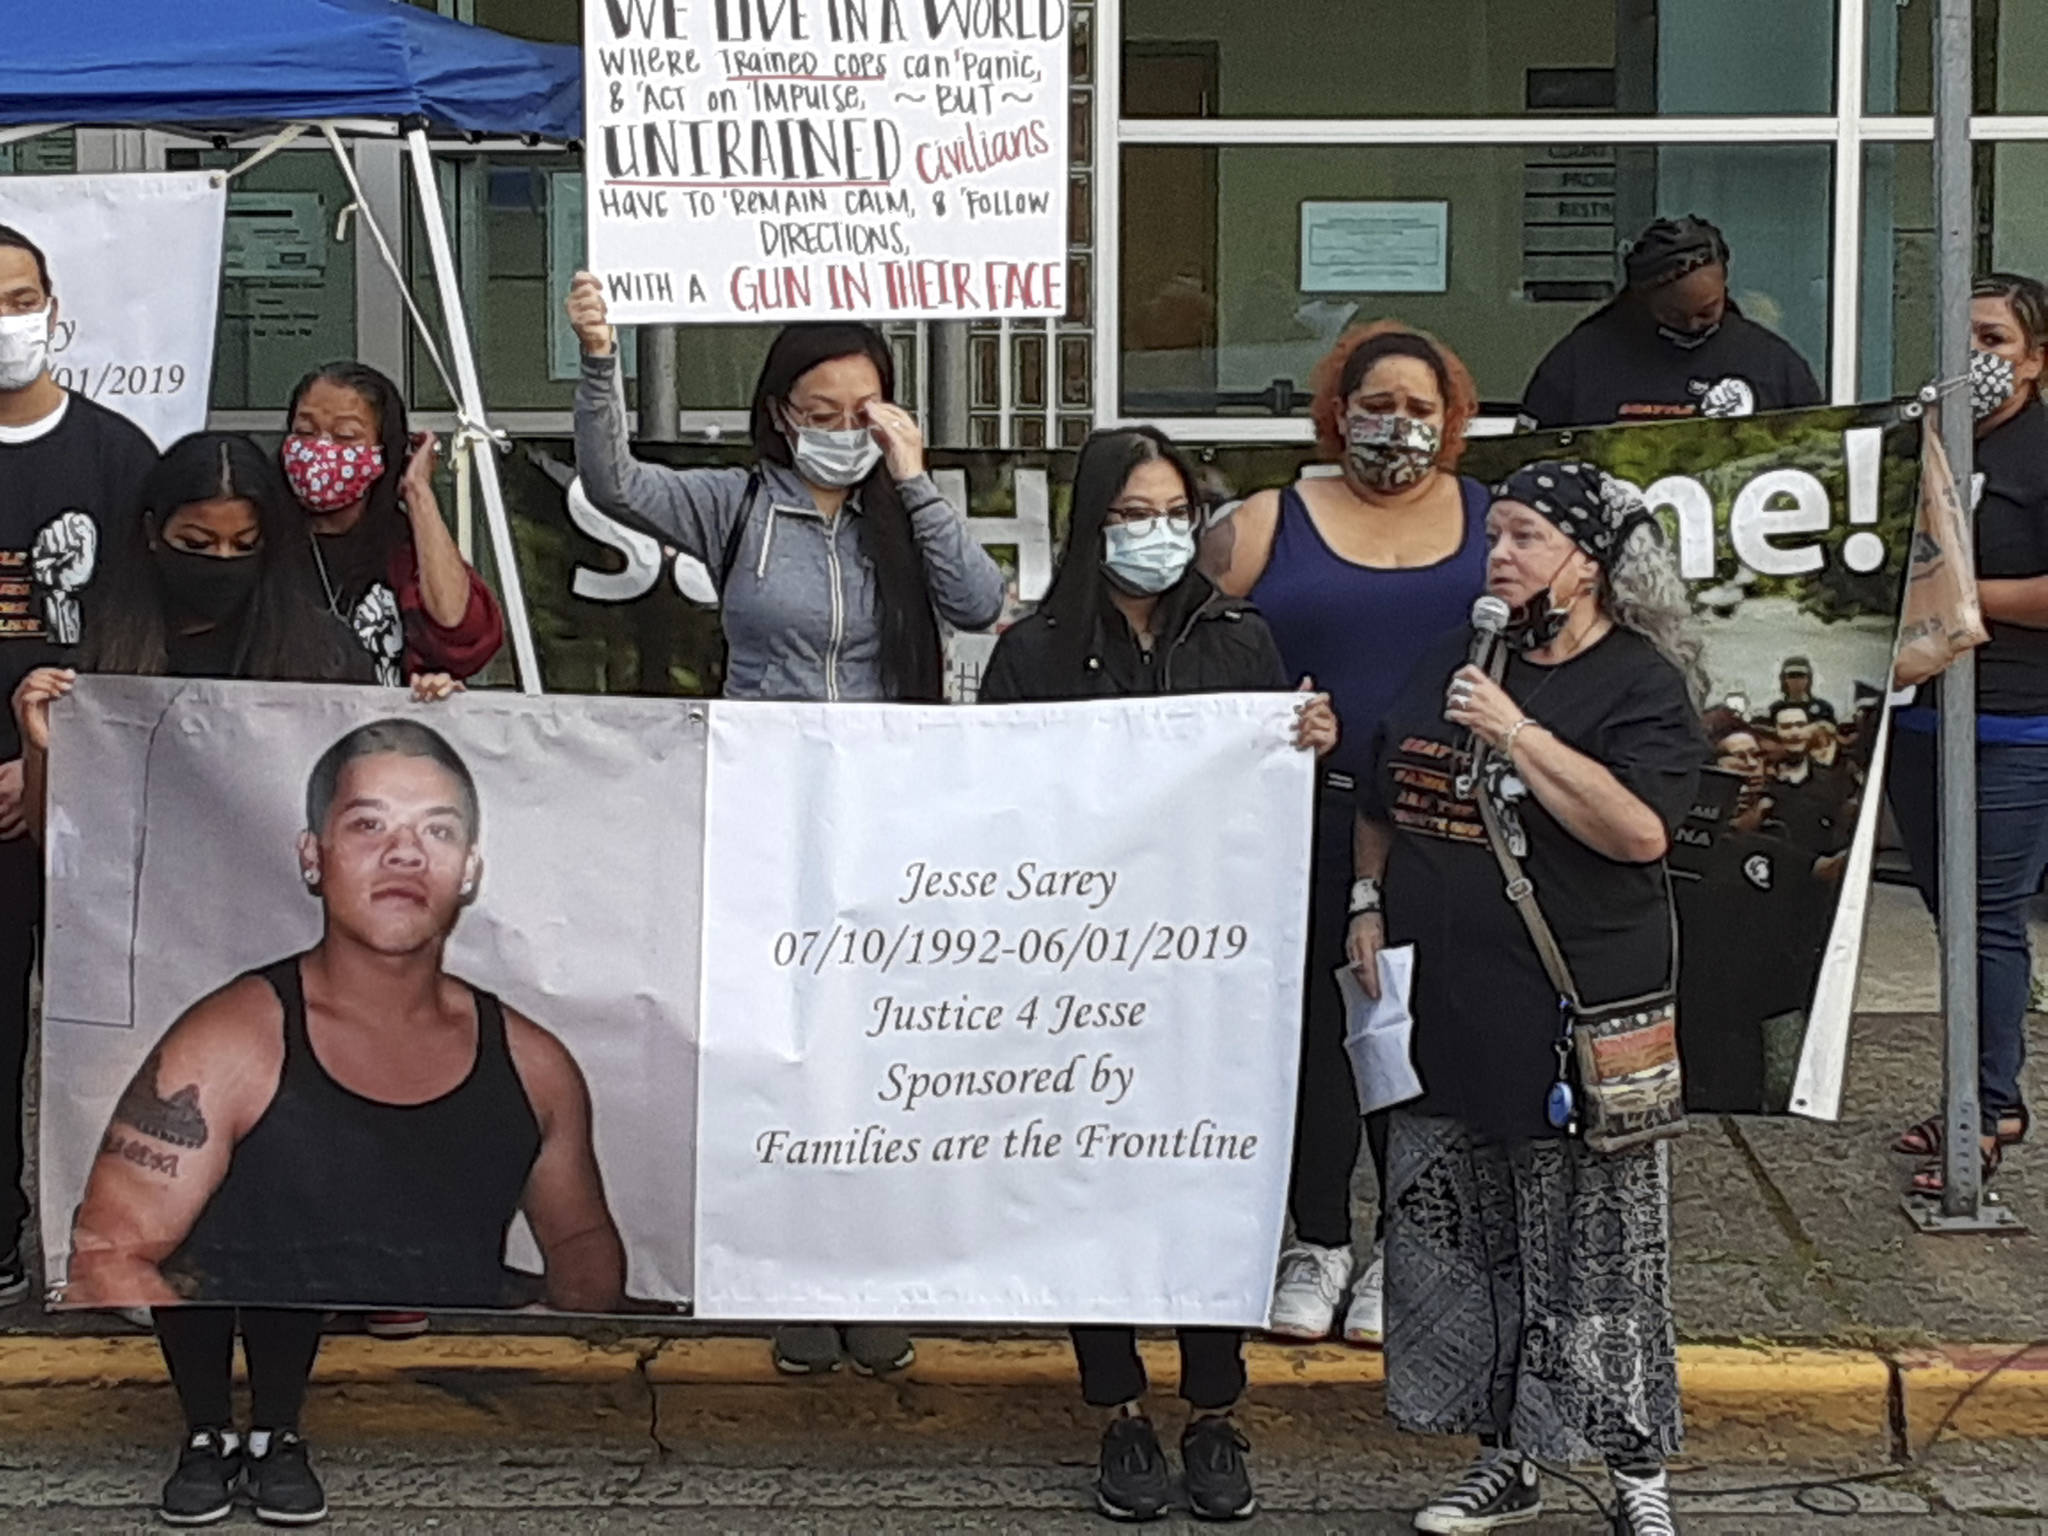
1366, 1321
1310, 1289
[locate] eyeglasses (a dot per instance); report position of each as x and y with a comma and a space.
1140, 519
827, 418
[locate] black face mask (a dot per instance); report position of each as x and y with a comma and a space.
210, 587
1687, 340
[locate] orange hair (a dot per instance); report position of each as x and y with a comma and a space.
1461, 401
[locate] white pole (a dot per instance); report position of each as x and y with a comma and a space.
471, 406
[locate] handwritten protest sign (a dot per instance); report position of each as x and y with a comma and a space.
1016, 1044
812, 159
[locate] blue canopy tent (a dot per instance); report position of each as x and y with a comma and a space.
342, 66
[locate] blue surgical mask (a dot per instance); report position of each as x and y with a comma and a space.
835, 458
1149, 562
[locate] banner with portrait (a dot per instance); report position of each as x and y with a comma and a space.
357, 1002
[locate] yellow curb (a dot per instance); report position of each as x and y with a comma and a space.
1840, 1392
1975, 1392
1830, 1391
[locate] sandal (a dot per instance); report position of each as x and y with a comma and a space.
1925, 1139
1931, 1180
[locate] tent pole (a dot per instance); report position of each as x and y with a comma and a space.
471, 404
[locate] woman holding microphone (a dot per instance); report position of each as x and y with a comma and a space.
1129, 616
835, 557
1528, 1274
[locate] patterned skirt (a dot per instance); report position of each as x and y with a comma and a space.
1529, 1292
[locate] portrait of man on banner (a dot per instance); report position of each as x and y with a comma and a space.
353, 1125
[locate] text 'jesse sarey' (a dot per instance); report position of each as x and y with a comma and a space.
1028, 881
966, 1016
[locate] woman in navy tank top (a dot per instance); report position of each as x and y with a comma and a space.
1357, 569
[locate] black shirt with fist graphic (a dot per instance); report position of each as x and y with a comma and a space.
1615, 367
63, 485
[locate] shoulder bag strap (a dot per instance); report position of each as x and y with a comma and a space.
1520, 890
731, 554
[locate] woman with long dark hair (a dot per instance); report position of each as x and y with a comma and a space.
2008, 371
383, 557
1129, 616
834, 555
835, 559
213, 580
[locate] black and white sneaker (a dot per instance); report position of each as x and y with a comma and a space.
1132, 1481
1501, 1489
1218, 1482
202, 1490
13, 1277
1643, 1505
281, 1480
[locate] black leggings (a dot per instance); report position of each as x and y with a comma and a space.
1326, 1101
199, 1350
1112, 1372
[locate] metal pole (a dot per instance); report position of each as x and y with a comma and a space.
950, 414
660, 401
1954, 263
470, 405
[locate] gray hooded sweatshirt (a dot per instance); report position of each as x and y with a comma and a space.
798, 603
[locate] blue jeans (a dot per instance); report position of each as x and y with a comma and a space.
2012, 851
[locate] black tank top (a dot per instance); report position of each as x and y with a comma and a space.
337, 1200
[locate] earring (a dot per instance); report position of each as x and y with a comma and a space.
469, 887
310, 876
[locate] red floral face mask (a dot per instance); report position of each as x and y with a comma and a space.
327, 476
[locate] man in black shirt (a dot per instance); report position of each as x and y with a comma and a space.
68, 469
1672, 345
1795, 691
1809, 802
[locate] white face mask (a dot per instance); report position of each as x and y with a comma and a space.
1148, 562
24, 349
836, 459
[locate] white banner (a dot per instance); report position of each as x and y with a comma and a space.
827, 159
1002, 1010
135, 261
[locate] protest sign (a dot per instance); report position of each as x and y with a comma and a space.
1018, 1044
135, 263
819, 159
177, 865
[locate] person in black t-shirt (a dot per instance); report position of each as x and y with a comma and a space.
1812, 803
67, 468
1671, 344
1795, 688
1595, 753
2008, 360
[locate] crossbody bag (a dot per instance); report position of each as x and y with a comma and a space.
1629, 1088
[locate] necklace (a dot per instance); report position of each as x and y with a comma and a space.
327, 586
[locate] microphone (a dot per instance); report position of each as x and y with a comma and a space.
1489, 623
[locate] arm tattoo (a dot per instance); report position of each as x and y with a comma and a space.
1219, 544
175, 1119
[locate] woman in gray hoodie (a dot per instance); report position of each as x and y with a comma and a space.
836, 559
835, 556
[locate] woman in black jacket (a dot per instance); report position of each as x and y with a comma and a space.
1130, 616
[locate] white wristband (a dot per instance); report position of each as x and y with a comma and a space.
1365, 897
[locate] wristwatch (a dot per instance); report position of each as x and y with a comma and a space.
1365, 897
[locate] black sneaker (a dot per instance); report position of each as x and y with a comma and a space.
1500, 1490
202, 1490
1133, 1482
282, 1481
1212, 1460
13, 1277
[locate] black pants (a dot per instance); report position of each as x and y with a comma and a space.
1211, 1366
199, 1350
1326, 1119
21, 902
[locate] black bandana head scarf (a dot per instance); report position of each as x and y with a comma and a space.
1588, 506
